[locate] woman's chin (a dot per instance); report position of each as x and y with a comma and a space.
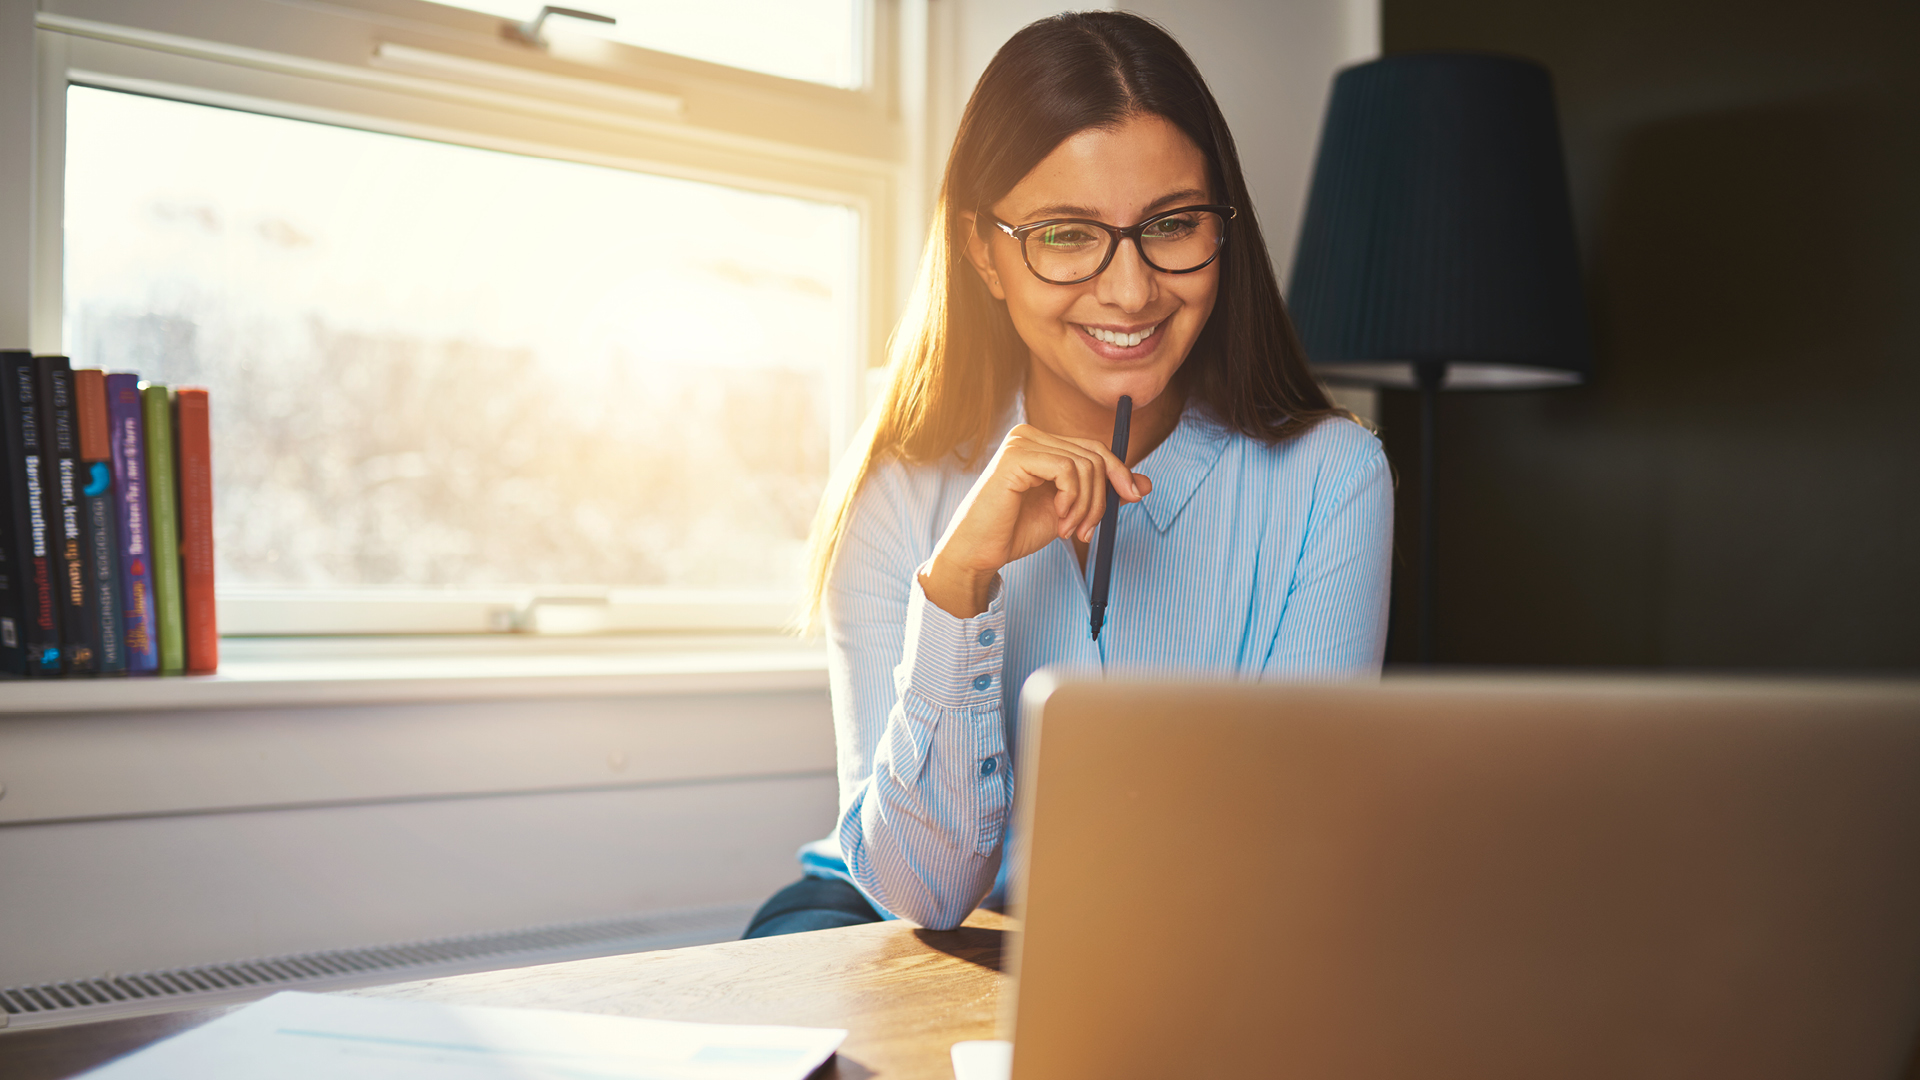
1143, 377
1101, 383
1143, 390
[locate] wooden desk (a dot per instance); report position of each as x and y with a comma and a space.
905, 996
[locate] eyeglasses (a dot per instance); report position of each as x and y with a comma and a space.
1068, 251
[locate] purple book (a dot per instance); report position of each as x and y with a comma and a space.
130, 525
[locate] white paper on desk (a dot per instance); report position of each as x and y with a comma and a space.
982, 1059
293, 1036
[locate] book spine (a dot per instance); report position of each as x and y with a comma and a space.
194, 436
162, 500
127, 454
15, 572
27, 479
13, 654
103, 566
103, 545
79, 629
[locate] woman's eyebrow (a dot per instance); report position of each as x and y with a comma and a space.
1183, 196
1060, 210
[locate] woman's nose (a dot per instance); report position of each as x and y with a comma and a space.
1128, 283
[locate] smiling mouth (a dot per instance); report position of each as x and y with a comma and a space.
1126, 341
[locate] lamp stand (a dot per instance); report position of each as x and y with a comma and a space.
1428, 376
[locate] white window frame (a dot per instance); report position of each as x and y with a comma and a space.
413, 68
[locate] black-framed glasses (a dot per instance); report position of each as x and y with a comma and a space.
1068, 251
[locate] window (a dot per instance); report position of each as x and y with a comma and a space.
444, 366
815, 40
496, 341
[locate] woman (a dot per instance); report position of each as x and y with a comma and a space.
1095, 240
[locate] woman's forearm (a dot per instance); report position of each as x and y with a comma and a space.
922, 831
928, 859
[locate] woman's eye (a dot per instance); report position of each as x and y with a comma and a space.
1172, 228
1066, 237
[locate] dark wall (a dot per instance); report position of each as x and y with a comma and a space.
1740, 486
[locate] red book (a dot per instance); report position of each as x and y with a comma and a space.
195, 442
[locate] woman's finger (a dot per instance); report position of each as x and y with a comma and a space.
1116, 470
1035, 464
1080, 471
1086, 486
1095, 479
1105, 468
1092, 477
1066, 483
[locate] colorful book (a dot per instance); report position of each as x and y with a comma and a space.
156, 408
73, 591
128, 456
15, 538
103, 546
193, 436
13, 613
27, 505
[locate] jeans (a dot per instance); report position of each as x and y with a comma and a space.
811, 904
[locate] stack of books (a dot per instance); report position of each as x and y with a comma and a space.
106, 524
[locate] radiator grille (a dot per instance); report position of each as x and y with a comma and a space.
78, 1000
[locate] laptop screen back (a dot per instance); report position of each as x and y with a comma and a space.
1454, 879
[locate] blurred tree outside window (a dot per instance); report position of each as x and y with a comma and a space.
435, 365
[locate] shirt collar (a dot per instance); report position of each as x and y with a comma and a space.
1176, 466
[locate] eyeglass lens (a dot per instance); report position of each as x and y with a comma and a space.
1073, 251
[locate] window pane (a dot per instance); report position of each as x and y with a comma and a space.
816, 40
436, 365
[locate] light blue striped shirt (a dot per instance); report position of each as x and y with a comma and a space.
1246, 560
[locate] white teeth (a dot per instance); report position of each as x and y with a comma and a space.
1124, 340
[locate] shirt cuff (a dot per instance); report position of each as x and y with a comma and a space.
954, 663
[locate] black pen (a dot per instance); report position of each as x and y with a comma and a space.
1103, 561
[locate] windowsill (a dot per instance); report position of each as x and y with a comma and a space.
337, 671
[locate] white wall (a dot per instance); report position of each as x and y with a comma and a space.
138, 840
17, 167
125, 895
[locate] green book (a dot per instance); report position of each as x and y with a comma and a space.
163, 511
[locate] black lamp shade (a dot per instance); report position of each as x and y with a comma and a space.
1438, 232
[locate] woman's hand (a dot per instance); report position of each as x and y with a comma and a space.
1037, 488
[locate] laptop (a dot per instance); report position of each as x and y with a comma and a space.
1476, 879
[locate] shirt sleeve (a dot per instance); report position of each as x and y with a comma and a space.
917, 706
1334, 625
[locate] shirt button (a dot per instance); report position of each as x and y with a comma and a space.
987, 767
983, 682
986, 637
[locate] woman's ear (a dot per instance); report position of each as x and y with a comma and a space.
981, 255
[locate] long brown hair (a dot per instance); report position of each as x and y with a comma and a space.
956, 359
